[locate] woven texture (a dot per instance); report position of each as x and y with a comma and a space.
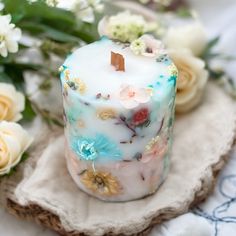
47, 193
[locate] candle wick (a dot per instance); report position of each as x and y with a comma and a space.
118, 61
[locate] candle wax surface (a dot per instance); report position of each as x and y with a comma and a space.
91, 64
118, 124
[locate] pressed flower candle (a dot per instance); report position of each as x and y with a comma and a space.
119, 108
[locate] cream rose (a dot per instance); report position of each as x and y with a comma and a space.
191, 36
14, 141
12, 103
192, 79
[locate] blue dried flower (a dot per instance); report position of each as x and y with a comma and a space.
91, 149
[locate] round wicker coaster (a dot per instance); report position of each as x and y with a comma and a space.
48, 219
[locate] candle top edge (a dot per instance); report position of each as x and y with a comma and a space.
88, 74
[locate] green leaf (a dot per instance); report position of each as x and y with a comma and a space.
37, 11
15, 71
208, 54
50, 22
28, 114
47, 31
4, 78
184, 12
216, 74
60, 49
213, 42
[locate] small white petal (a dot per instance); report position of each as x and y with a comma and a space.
87, 15
1, 6
3, 52
12, 46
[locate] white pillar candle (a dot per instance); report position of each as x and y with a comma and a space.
118, 124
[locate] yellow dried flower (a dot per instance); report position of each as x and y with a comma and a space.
106, 113
173, 71
67, 73
81, 85
102, 183
66, 86
152, 142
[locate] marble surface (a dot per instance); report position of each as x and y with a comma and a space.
217, 216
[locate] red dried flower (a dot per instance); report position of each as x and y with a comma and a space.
140, 117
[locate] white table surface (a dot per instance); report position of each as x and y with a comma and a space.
217, 216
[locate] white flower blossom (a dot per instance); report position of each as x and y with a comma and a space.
52, 2
147, 46
9, 36
138, 46
83, 9
124, 26
1, 6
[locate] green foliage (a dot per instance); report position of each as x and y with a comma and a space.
29, 113
219, 74
58, 29
208, 54
184, 12
47, 22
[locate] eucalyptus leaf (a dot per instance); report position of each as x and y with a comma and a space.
208, 54
43, 31
184, 12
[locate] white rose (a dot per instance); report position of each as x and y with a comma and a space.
14, 141
191, 36
12, 103
9, 36
192, 79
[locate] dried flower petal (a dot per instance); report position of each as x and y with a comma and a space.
102, 183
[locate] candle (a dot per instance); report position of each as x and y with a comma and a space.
119, 111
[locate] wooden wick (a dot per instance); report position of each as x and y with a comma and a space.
118, 61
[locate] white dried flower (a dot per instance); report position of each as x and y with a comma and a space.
147, 46
124, 26
9, 36
138, 46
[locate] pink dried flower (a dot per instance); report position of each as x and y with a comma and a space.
131, 97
